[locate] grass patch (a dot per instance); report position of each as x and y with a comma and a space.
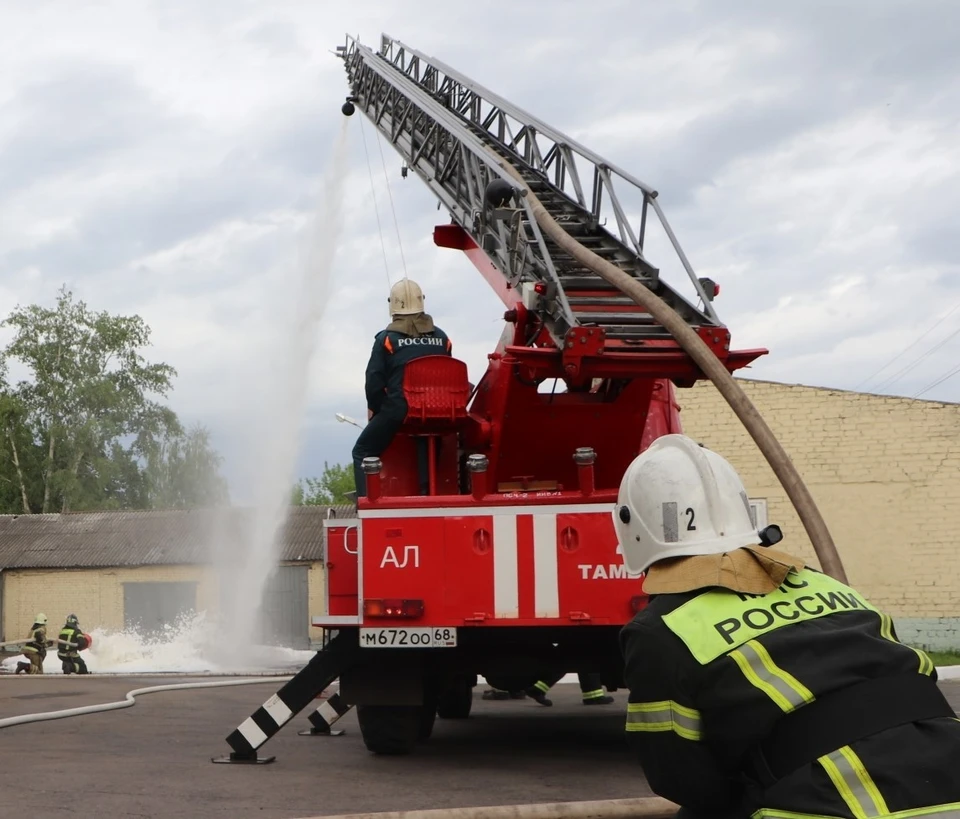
944, 657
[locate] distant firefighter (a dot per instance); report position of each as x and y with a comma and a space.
36, 650
70, 658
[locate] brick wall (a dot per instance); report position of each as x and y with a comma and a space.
885, 473
96, 595
317, 578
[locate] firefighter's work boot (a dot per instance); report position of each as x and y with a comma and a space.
495, 694
22, 667
538, 695
603, 699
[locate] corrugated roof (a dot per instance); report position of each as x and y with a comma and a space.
148, 538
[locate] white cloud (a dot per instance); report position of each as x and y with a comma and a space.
162, 158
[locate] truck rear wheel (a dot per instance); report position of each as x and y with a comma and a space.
457, 700
390, 730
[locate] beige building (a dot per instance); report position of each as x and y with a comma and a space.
144, 570
885, 473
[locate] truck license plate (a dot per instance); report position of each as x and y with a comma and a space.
408, 638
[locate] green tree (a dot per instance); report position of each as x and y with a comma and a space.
330, 488
86, 429
183, 470
18, 469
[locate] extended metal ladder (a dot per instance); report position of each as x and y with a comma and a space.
451, 131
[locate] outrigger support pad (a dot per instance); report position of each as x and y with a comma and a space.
320, 732
243, 759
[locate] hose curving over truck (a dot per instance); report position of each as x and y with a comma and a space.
705, 358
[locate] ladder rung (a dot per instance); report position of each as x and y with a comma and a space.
600, 301
575, 282
618, 318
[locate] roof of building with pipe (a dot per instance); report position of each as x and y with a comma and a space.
158, 538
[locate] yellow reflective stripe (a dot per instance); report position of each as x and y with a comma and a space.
856, 764
763, 673
856, 786
665, 715
541, 685
592, 695
948, 811
886, 631
776, 813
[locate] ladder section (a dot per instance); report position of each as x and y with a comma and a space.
593, 301
452, 133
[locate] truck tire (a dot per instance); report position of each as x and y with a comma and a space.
389, 730
457, 700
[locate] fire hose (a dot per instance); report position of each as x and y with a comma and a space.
711, 366
25, 640
129, 700
641, 808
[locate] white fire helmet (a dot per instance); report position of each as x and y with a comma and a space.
406, 298
41, 619
678, 499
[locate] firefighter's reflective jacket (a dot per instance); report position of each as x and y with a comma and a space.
797, 703
71, 635
391, 351
38, 642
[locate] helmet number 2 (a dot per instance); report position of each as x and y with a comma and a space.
690, 514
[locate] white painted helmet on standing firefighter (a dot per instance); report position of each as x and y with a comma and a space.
406, 298
41, 619
678, 499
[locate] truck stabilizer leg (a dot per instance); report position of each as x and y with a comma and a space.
326, 714
325, 667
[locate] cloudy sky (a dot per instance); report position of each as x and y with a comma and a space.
177, 160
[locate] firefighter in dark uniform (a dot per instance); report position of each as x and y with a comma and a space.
760, 687
70, 659
412, 334
36, 650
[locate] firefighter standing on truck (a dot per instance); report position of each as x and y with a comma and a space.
36, 650
71, 661
412, 334
777, 691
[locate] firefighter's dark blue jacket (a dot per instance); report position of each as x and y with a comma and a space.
714, 674
392, 350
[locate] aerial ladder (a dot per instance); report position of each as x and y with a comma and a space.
560, 234
454, 134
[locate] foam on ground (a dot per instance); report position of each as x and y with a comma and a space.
192, 646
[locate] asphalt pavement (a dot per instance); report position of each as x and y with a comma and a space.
153, 759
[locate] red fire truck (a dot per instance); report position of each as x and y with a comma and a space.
509, 568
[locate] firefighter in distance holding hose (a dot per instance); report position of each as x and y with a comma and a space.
36, 650
778, 692
70, 659
411, 334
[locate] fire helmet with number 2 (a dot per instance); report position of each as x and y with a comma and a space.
678, 499
406, 298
